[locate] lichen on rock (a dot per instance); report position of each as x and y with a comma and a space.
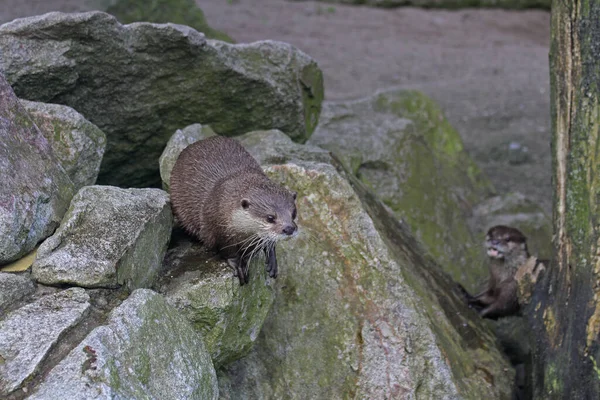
360, 310
162, 77
400, 145
77, 143
109, 237
144, 350
35, 190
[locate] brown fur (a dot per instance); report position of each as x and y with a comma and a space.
507, 251
214, 180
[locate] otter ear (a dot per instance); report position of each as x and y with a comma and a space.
245, 204
294, 195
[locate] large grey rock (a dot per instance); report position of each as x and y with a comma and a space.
400, 145
77, 143
13, 288
228, 316
141, 82
179, 141
360, 310
34, 189
146, 350
109, 237
28, 334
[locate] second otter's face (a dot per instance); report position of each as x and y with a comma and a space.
503, 242
270, 214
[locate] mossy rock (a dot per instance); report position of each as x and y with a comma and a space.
183, 12
400, 145
357, 295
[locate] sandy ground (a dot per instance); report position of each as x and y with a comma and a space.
488, 69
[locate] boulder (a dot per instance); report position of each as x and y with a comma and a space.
399, 144
146, 349
34, 189
77, 143
179, 141
28, 334
361, 311
140, 82
109, 237
228, 316
13, 288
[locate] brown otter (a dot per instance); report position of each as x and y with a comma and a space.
220, 194
507, 251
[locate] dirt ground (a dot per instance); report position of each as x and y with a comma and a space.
488, 69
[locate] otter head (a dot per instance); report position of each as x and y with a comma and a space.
505, 242
267, 211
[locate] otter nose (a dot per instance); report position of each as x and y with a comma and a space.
289, 229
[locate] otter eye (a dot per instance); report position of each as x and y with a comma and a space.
271, 219
245, 204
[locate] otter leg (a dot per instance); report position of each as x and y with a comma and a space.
483, 299
271, 261
240, 266
506, 303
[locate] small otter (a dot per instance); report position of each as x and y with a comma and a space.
507, 250
220, 194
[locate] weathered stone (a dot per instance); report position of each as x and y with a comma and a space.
400, 145
145, 350
77, 143
28, 334
109, 237
228, 316
34, 189
162, 77
514, 209
360, 311
518, 4
183, 12
179, 141
13, 288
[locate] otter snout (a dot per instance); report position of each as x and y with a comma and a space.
289, 229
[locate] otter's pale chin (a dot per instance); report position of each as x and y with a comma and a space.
491, 252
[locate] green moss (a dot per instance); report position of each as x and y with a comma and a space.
183, 12
311, 80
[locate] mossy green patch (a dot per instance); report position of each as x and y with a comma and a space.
183, 12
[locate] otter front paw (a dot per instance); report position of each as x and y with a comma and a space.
271, 261
240, 267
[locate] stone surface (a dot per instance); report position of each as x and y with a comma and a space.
400, 145
109, 237
77, 143
28, 334
179, 141
146, 350
162, 77
518, 4
34, 189
13, 288
203, 288
184, 12
360, 310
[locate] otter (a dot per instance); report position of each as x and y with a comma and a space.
507, 251
220, 194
